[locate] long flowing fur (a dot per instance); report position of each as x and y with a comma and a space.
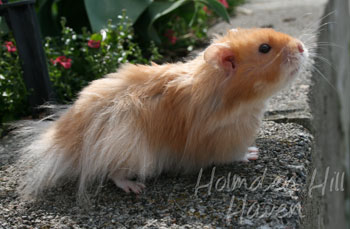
143, 120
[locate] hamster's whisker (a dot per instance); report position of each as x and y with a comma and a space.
325, 24
314, 24
314, 68
323, 28
275, 58
327, 15
316, 51
329, 44
325, 60
250, 70
308, 34
314, 32
309, 37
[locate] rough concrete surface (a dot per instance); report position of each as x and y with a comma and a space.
275, 189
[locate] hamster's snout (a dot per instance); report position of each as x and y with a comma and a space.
297, 49
297, 55
300, 47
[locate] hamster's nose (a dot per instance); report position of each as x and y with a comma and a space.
300, 48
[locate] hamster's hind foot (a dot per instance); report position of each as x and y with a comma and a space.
128, 185
252, 154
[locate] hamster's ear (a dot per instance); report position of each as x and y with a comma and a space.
221, 56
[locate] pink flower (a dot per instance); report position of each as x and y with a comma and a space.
10, 46
171, 37
208, 11
63, 61
224, 2
94, 44
1, 2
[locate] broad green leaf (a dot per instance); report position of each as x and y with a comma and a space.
100, 11
217, 7
156, 10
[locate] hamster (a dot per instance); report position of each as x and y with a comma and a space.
144, 120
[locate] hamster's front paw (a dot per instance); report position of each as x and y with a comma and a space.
252, 154
128, 185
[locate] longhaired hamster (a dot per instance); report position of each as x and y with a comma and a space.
143, 120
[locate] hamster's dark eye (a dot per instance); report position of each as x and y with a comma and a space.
264, 48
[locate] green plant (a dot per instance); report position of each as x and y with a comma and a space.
13, 93
186, 27
183, 33
177, 26
146, 13
76, 59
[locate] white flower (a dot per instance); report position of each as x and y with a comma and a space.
104, 34
190, 48
2, 77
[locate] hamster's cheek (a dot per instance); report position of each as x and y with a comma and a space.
293, 69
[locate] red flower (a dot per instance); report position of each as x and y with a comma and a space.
208, 11
171, 37
1, 2
224, 2
63, 61
10, 46
94, 44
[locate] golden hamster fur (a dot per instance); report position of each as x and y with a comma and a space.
143, 120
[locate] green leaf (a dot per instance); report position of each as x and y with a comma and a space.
156, 10
96, 37
195, 14
217, 7
99, 12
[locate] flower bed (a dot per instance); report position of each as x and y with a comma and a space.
73, 61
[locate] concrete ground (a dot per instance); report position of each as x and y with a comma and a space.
273, 195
